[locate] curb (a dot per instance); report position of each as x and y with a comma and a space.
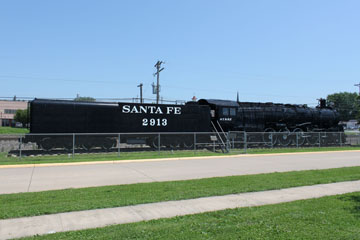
162, 159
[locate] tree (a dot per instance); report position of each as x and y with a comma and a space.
346, 104
21, 116
85, 99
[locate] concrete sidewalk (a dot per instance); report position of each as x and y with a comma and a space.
28, 226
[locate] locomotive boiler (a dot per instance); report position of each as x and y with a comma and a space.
283, 121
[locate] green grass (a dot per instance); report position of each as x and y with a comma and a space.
352, 132
295, 150
10, 130
5, 160
334, 217
48, 202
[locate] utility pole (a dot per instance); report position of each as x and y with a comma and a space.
158, 70
141, 98
358, 85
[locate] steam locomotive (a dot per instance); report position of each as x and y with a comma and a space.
107, 121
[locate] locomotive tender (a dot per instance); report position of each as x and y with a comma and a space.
206, 115
67, 117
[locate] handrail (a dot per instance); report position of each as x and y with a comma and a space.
222, 142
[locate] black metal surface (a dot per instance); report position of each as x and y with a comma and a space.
259, 117
55, 116
60, 116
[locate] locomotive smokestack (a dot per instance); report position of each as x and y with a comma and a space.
322, 103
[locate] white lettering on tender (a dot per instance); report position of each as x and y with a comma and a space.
134, 110
143, 109
158, 111
150, 109
126, 109
169, 110
177, 110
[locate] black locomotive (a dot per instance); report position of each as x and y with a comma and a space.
279, 123
108, 120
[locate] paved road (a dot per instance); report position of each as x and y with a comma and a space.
40, 178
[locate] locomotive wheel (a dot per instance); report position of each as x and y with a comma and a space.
312, 138
299, 137
333, 139
68, 146
325, 139
155, 143
188, 144
284, 137
87, 146
107, 144
270, 137
85, 142
174, 145
46, 144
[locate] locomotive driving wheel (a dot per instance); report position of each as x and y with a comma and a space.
269, 137
300, 137
313, 138
284, 137
174, 145
188, 145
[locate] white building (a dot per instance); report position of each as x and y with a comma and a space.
352, 124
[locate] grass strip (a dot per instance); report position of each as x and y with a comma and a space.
334, 217
48, 202
11, 130
5, 160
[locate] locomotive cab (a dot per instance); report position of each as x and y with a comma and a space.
223, 112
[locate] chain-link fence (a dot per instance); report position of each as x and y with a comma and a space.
72, 144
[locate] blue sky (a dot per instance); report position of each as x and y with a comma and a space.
280, 51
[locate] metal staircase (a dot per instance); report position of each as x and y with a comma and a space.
222, 143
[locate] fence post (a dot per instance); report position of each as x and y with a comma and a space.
233, 141
73, 150
319, 139
159, 143
340, 139
272, 142
20, 146
119, 145
228, 144
245, 142
297, 139
194, 142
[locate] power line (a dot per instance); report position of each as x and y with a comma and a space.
63, 79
